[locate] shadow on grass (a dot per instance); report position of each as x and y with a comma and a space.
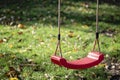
13, 12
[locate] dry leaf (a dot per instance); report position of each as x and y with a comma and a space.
75, 50
11, 69
13, 56
101, 65
21, 26
12, 73
71, 34
33, 32
85, 26
10, 45
1, 55
47, 75
25, 74
93, 75
1, 41
5, 40
34, 27
14, 78
20, 40
20, 32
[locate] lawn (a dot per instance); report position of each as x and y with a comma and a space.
28, 41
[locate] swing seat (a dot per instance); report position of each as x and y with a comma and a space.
92, 59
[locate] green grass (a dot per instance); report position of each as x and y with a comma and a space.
38, 42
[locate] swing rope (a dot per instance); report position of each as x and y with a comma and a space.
59, 34
97, 32
93, 58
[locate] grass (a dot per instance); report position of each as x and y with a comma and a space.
36, 43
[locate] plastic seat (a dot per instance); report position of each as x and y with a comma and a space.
92, 59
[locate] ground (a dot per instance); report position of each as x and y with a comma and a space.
28, 37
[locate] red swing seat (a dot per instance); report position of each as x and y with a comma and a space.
92, 59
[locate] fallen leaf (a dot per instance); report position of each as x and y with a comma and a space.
33, 32
20, 32
30, 60
13, 56
47, 75
11, 69
10, 45
34, 27
85, 26
1, 41
107, 55
20, 40
4, 40
93, 74
25, 74
14, 78
21, 26
71, 34
12, 73
42, 42
71, 57
101, 65
1, 55
75, 50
